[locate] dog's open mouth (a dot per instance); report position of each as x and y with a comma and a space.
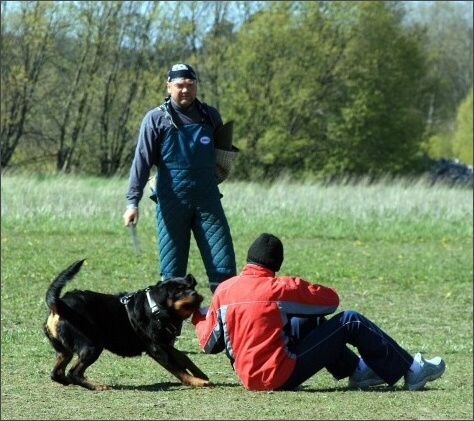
186, 306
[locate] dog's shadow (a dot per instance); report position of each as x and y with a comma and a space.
165, 386
172, 387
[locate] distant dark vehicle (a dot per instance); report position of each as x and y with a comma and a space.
452, 172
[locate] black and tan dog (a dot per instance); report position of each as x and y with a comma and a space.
146, 321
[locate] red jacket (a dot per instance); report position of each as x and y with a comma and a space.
246, 317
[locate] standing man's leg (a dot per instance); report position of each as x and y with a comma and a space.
174, 237
214, 240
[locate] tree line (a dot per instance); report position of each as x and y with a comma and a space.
315, 89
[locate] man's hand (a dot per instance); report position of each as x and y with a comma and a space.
130, 216
199, 315
203, 310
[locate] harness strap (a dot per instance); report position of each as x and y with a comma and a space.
202, 106
173, 330
151, 302
126, 298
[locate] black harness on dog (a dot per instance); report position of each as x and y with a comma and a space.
155, 308
126, 298
158, 312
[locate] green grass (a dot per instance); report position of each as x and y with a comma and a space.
399, 252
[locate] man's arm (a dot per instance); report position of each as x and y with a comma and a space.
209, 331
300, 297
145, 157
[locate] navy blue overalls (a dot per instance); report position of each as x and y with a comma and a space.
189, 200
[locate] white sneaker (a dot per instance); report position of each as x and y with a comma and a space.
430, 370
363, 379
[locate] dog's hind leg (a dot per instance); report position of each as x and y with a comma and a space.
58, 374
86, 357
63, 356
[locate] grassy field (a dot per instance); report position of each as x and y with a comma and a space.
399, 252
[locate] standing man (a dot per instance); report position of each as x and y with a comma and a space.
275, 331
178, 137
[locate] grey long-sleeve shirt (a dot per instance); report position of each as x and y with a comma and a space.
150, 138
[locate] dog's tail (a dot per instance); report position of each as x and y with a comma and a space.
54, 290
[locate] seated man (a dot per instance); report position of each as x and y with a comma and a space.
274, 331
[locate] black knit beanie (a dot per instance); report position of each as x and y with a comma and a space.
267, 251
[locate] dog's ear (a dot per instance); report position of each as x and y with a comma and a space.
191, 280
160, 292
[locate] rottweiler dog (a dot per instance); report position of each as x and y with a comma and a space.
147, 321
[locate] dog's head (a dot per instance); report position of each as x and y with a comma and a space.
179, 295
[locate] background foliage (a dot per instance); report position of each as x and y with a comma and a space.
316, 89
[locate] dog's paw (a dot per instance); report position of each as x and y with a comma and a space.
197, 382
60, 378
189, 380
100, 387
86, 383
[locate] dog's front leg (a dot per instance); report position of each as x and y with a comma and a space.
184, 361
190, 380
167, 360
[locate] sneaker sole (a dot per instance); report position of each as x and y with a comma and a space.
420, 385
366, 384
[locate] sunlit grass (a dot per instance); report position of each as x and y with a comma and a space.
400, 252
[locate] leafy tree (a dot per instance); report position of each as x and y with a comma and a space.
315, 88
378, 126
448, 45
326, 87
282, 65
27, 40
463, 140
211, 55
123, 76
440, 145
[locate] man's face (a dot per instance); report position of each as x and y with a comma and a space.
183, 91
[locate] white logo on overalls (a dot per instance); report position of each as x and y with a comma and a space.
205, 140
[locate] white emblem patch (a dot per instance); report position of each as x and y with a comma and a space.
205, 140
177, 67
